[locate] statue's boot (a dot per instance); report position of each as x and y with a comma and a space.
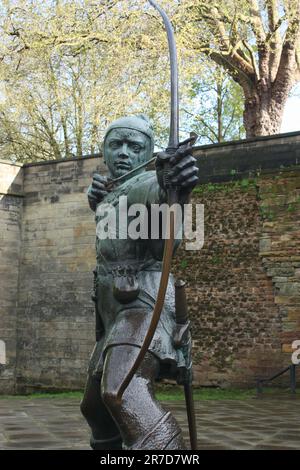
166, 434
113, 443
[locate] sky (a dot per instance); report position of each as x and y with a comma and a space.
291, 116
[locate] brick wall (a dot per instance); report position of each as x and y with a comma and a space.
237, 325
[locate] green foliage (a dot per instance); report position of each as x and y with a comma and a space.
243, 185
294, 206
164, 392
216, 260
266, 213
183, 264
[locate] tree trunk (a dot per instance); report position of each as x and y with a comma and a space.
66, 139
263, 113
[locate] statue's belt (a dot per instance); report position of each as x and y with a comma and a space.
125, 282
115, 268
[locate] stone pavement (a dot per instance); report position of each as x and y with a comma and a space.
56, 423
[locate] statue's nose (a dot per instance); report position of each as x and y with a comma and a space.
123, 151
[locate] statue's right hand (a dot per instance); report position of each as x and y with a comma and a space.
97, 190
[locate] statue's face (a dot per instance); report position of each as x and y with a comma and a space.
125, 149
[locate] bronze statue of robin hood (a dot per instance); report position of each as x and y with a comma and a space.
141, 335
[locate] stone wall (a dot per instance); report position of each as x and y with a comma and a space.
11, 201
55, 311
243, 286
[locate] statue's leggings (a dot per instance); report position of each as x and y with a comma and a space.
139, 422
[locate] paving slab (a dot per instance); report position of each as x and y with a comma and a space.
56, 423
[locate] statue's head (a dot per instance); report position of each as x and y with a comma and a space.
128, 142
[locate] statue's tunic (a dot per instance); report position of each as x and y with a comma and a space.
127, 323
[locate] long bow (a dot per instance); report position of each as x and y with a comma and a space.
172, 199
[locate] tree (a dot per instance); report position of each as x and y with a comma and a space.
257, 43
67, 69
215, 108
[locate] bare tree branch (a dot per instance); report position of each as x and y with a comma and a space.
285, 78
256, 21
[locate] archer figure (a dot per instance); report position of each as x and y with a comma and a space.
127, 281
